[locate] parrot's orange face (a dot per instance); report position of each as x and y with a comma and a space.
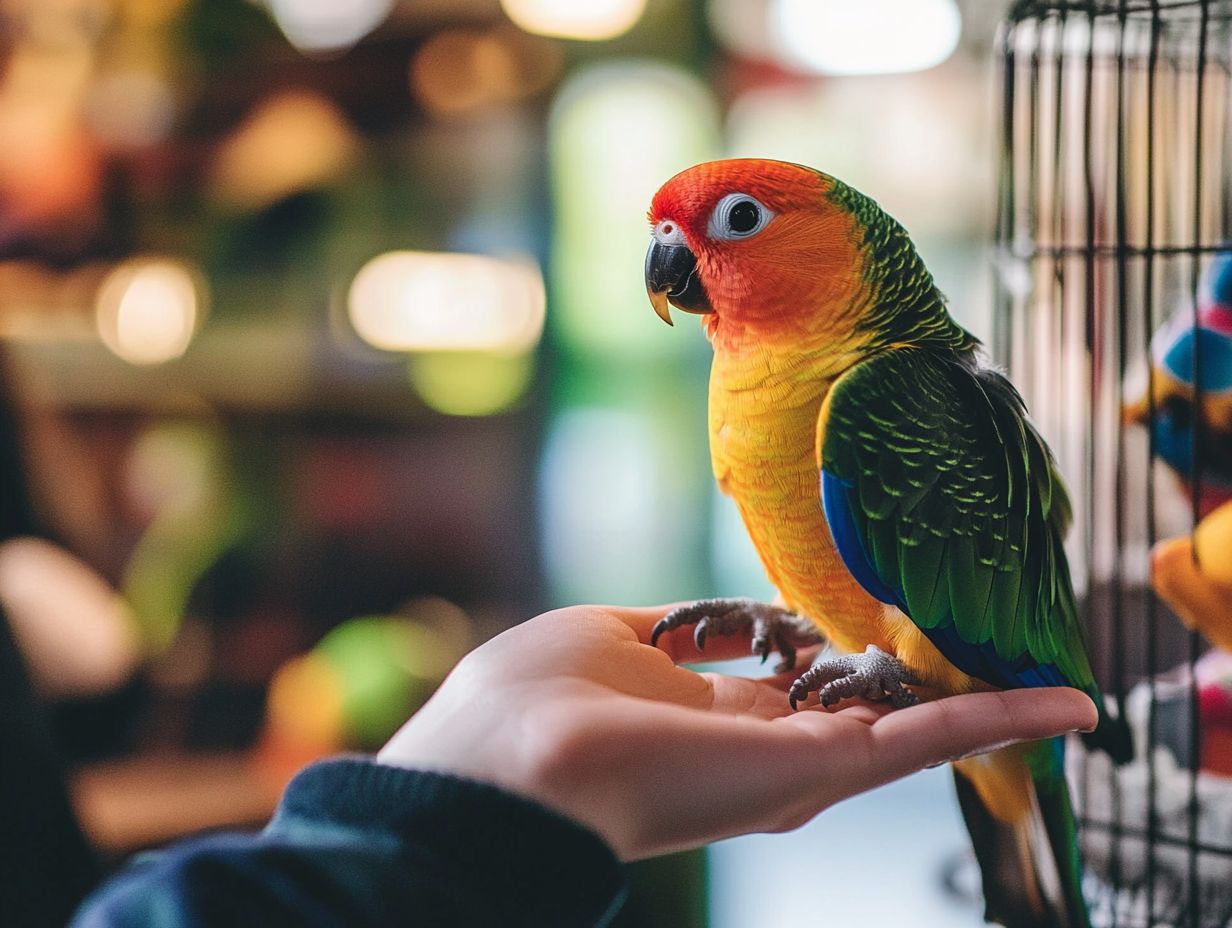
755, 243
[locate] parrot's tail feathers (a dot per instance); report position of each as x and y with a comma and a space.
1007, 855
1027, 851
1057, 814
1112, 735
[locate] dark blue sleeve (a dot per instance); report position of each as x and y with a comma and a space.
355, 843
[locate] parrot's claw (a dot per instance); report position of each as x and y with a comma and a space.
873, 675
771, 628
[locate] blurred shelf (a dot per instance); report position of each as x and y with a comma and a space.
255, 367
141, 802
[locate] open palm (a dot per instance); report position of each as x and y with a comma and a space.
576, 710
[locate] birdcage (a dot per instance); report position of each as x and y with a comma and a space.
1113, 228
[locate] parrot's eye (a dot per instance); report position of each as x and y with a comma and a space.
744, 217
738, 215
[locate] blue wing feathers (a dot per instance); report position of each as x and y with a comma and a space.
836, 503
981, 660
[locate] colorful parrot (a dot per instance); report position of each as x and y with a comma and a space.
1171, 416
898, 496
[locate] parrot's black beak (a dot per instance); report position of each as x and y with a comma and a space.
671, 276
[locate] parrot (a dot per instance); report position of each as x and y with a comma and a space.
905, 508
1170, 414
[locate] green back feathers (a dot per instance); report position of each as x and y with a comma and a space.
905, 307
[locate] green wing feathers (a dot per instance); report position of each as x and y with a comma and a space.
958, 508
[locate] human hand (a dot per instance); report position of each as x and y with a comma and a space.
574, 709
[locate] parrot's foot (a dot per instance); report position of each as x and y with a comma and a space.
772, 628
873, 675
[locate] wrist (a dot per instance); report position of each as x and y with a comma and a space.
551, 762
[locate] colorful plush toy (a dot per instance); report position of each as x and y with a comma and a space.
1181, 348
1193, 575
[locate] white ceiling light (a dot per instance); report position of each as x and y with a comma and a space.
864, 37
593, 20
422, 301
328, 25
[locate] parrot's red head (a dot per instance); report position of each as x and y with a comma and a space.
755, 244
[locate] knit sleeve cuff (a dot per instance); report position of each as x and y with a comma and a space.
536, 866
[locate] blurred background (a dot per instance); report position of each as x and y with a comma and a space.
325, 355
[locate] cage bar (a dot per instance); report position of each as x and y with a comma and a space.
1115, 196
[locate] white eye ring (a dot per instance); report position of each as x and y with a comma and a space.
720, 226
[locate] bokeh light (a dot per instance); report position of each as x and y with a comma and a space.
617, 132
130, 109
592, 20
179, 482
869, 37
471, 383
387, 666
50, 166
78, 635
742, 26
305, 701
293, 140
147, 310
619, 494
423, 301
317, 26
458, 70
359, 684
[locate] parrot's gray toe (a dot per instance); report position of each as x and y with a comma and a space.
873, 675
771, 627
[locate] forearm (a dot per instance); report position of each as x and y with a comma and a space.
356, 843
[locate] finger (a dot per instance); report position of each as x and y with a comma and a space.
858, 708
678, 643
735, 695
957, 726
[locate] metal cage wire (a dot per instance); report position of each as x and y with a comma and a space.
1115, 192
